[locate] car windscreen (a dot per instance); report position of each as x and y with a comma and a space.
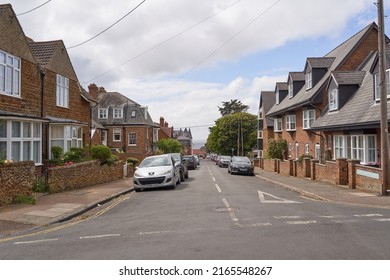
155, 161
246, 160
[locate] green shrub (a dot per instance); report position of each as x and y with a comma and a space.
40, 186
300, 159
111, 160
276, 148
132, 161
25, 199
74, 155
101, 153
57, 153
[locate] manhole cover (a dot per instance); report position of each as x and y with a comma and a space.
226, 209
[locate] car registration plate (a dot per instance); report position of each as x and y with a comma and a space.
243, 169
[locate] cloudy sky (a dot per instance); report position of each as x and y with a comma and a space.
183, 58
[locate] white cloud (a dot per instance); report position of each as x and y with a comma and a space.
159, 53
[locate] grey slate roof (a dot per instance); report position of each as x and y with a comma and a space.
297, 76
348, 77
267, 100
338, 55
111, 100
360, 111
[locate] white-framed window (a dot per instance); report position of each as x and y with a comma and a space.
260, 114
277, 97
102, 113
290, 123
116, 135
296, 150
309, 80
278, 124
308, 118
333, 99
20, 140
66, 137
260, 134
155, 134
62, 91
361, 147
377, 85
289, 152
339, 147
307, 150
290, 90
260, 153
118, 113
133, 114
317, 152
132, 139
10, 73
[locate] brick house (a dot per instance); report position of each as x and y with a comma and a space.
123, 123
41, 102
185, 138
165, 131
298, 106
265, 124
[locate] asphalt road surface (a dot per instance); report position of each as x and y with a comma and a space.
213, 215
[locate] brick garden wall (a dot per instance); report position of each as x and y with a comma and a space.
16, 179
339, 172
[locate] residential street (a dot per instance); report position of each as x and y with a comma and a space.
214, 215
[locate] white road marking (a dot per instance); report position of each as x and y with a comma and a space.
301, 222
36, 241
287, 217
331, 217
100, 236
256, 225
344, 221
213, 179
231, 213
277, 199
218, 188
382, 220
369, 215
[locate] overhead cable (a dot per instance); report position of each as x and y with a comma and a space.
100, 33
33, 8
164, 42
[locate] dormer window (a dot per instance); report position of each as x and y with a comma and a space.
333, 99
309, 80
290, 90
133, 114
118, 113
102, 113
277, 97
377, 86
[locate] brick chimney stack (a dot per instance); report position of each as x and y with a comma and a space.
161, 122
93, 90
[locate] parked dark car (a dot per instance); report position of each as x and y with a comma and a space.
191, 161
224, 161
183, 165
241, 165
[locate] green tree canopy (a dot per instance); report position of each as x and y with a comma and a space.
169, 146
231, 107
233, 131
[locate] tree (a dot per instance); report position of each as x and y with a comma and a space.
233, 131
231, 107
169, 146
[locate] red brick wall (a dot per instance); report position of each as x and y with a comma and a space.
286, 167
269, 165
326, 172
366, 183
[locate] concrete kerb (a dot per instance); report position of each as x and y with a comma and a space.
89, 207
297, 190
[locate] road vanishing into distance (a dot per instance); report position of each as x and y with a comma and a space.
212, 215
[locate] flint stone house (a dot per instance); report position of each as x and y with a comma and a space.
123, 123
41, 102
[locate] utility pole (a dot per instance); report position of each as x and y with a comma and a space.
383, 100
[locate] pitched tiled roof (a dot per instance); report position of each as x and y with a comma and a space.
44, 51
4, 7
338, 55
297, 76
361, 110
349, 77
320, 62
267, 100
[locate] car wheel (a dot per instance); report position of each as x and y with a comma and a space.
137, 189
186, 175
182, 176
228, 170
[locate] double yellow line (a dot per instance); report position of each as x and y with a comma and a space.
97, 214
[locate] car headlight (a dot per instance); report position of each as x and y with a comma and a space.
169, 171
138, 174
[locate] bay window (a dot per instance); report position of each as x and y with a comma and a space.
66, 137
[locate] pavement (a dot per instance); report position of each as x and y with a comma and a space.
59, 207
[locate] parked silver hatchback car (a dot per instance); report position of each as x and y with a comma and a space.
157, 171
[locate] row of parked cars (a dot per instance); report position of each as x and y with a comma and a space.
235, 164
167, 170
